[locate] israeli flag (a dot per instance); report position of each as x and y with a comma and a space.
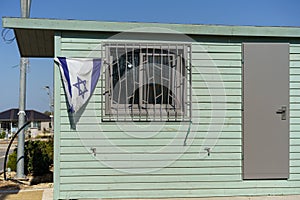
80, 77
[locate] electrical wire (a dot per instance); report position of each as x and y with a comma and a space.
4, 35
10, 143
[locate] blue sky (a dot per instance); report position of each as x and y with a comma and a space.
229, 12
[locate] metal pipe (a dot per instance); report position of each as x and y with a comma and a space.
22, 103
25, 8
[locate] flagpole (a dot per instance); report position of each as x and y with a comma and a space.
25, 10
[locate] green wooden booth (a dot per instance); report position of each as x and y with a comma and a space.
179, 111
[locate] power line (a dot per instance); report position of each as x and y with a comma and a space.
4, 35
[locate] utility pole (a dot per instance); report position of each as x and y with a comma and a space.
25, 10
49, 93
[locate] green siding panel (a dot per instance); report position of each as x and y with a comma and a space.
183, 185
181, 193
150, 179
57, 120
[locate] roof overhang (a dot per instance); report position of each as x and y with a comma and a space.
35, 37
35, 42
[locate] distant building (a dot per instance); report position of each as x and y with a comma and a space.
40, 122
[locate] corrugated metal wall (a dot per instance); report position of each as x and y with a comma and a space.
80, 174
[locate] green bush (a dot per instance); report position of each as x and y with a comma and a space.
12, 160
38, 157
2, 135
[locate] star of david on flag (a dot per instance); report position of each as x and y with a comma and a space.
80, 77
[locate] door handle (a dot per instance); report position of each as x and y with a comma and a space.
282, 112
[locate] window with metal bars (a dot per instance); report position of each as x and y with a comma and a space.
147, 82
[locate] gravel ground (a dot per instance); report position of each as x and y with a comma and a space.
11, 185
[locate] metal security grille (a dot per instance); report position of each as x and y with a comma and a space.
147, 82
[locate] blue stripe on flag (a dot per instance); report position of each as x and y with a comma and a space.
64, 66
95, 73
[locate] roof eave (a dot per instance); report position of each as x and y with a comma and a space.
102, 26
35, 37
